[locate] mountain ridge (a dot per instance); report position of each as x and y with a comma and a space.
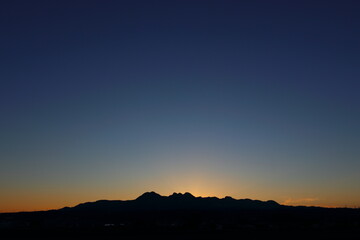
151, 195
179, 214
153, 199
177, 201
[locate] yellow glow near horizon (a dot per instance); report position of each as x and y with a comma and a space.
200, 180
197, 187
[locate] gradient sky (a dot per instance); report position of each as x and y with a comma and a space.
109, 99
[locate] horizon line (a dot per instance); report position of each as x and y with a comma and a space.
282, 203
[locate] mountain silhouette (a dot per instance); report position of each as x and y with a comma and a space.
152, 196
177, 201
183, 216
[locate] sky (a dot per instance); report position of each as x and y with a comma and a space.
110, 99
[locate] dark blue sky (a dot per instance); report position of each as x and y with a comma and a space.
246, 98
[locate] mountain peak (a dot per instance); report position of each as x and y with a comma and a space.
186, 195
228, 198
149, 196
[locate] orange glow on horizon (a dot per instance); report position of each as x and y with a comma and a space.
28, 204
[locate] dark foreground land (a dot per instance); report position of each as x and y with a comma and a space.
182, 216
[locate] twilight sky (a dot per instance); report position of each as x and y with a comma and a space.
109, 99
